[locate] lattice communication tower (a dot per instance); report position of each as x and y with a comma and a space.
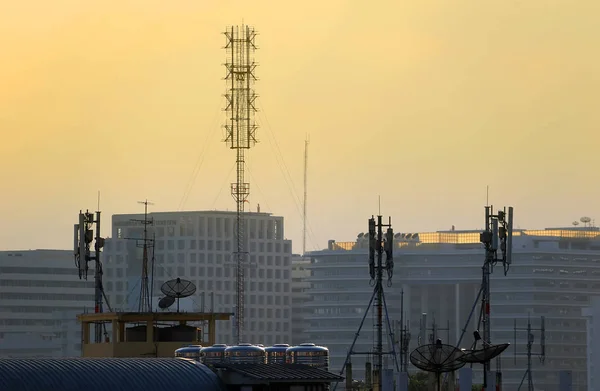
240, 134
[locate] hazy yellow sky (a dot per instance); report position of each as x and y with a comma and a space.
422, 102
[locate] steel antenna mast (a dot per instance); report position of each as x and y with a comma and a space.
240, 134
144, 305
305, 195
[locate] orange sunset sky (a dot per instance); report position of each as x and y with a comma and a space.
422, 102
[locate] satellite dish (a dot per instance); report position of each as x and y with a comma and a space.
585, 220
437, 358
484, 354
166, 302
575, 223
178, 289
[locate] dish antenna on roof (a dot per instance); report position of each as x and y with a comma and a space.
178, 289
166, 302
437, 358
586, 221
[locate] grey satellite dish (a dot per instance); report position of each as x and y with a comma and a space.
178, 289
166, 302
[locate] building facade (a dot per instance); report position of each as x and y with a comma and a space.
554, 274
199, 246
300, 285
592, 315
40, 297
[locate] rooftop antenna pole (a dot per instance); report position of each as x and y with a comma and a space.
144, 304
305, 195
529, 353
497, 237
82, 243
240, 134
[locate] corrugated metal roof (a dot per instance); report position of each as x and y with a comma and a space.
102, 374
282, 372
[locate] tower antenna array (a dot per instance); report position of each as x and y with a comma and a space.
240, 134
82, 242
496, 236
145, 301
378, 245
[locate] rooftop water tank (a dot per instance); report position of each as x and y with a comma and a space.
245, 353
213, 354
308, 354
191, 351
276, 353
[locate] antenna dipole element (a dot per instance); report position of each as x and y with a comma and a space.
240, 134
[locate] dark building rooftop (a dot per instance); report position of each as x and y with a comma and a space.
275, 373
101, 374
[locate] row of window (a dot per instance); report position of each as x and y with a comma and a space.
47, 284
39, 270
209, 226
218, 285
220, 245
46, 296
39, 309
29, 322
202, 271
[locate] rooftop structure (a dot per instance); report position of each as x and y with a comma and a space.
271, 374
199, 246
465, 237
101, 374
155, 334
40, 296
554, 273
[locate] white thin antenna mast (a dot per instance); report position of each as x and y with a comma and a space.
305, 194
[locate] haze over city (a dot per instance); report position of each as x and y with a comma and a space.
422, 103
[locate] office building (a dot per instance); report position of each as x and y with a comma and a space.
592, 315
554, 274
199, 246
40, 297
300, 285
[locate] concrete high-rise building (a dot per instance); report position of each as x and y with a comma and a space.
40, 297
554, 274
592, 315
199, 246
300, 285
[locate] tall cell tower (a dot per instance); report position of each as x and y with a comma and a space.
240, 134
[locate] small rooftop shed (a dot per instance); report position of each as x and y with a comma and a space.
275, 377
106, 374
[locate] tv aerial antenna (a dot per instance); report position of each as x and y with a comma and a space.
145, 299
177, 289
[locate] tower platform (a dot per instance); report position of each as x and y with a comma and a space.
148, 334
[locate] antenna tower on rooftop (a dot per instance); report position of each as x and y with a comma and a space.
145, 301
240, 134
